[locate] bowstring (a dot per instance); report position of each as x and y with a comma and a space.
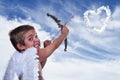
53, 37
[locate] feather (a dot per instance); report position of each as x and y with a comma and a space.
31, 64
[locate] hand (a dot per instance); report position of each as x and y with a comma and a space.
65, 29
46, 43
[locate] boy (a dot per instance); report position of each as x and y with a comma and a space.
24, 62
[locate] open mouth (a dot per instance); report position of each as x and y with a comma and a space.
37, 45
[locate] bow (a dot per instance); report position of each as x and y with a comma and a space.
60, 26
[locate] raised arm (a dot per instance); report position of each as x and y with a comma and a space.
46, 52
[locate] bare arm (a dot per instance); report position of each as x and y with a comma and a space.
43, 62
46, 52
46, 43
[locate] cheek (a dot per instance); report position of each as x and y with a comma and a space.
29, 44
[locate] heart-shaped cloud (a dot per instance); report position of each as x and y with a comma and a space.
105, 21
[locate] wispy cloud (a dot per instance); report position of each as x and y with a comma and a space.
90, 55
88, 40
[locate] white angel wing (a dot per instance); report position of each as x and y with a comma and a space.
31, 65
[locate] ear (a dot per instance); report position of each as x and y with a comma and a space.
20, 47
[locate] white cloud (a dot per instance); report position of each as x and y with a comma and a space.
69, 69
80, 33
73, 69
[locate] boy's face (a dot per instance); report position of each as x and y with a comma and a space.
31, 39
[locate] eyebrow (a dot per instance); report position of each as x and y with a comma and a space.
32, 35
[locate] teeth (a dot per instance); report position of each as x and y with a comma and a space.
36, 45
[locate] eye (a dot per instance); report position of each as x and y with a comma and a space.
30, 38
36, 36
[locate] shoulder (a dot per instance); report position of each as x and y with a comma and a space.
30, 50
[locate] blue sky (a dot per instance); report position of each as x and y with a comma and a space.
86, 47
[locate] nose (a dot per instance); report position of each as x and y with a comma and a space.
36, 39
